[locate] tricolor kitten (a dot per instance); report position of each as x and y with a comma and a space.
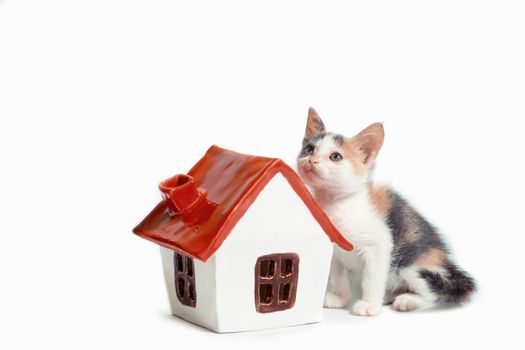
399, 257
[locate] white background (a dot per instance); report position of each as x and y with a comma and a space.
100, 100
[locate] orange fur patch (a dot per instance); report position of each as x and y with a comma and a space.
351, 153
362, 149
432, 258
411, 236
380, 199
369, 141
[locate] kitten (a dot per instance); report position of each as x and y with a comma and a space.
399, 257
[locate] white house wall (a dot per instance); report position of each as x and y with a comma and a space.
204, 313
277, 222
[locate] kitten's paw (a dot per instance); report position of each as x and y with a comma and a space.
408, 302
363, 308
333, 301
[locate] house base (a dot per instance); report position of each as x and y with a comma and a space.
236, 330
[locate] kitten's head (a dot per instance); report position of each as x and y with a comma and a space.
334, 163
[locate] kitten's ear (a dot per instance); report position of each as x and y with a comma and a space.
369, 142
314, 125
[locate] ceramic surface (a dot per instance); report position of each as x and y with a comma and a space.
200, 209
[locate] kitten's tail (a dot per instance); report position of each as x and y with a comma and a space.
454, 286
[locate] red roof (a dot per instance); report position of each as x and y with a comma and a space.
228, 183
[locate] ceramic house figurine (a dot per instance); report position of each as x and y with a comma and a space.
244, 245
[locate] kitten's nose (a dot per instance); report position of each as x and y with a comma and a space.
313, 161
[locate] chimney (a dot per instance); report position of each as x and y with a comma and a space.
184, 198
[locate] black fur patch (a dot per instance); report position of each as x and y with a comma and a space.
396, 216
400, 221
338, 139
453, 286
313, 140
456, 286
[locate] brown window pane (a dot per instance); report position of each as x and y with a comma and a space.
191, 291
185, 279
180, 287
179, 265
265, 293
286, 267
189, 266
267, 268
276, 291
284, 292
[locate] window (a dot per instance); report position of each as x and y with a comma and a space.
276, 282
185, 279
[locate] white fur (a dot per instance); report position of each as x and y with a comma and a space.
339, 284
356, 218
416, 283
343, 195
328, 178
409, 278
408, 302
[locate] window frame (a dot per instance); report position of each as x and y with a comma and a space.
272, 282
184, 272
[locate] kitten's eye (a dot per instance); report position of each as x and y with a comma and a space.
335, 157
308, 150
